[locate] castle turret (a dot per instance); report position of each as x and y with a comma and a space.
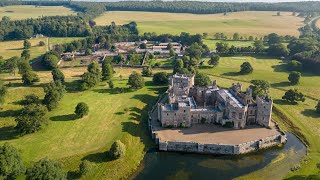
264, 111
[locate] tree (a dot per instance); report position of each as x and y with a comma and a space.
294, 65
31, 99
11, 65
195, 51
222, 47
110, 83
54, 93
160, 78
318, 107
259, 87
278, 14
107, 70
214, 60
92, 77
278, 50
57, 75
3, 92
117, 150
88, 52
46, 169
31, 119
82, 109
293, 96
26, 44
273, 38
236, 36
246, 68
50, 60
84, 167
258, 45
294, 77
41, 43
143, 46
178, 66
11, 164
29, 77
147, 71
25, 54
135, 81
201, 80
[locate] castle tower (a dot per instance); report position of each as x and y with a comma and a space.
264, 111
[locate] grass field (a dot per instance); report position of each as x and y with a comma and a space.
212, 43
318, 23
246, 23
303, 116
24, 12
9, 49
69, 140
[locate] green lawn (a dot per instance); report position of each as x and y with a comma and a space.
211, 43
162, 62
112, 116
255, 23
303, 115
24, 12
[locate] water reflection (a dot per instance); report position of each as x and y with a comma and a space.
170, 165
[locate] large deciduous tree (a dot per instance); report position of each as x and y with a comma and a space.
11, 164
54, 93
293, 96
294, 77
26, 44
135, 81
246, 68
201, 80
57, 75
160, 78
31, 119
46, 169
92, 77
107, 70
118, 150
214, 60
318, 107
82, 109
259, 87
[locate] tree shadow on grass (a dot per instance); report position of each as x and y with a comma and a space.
73, 86
281, 84
9, 113
68, 117
116, 90
281, 67
98, 157
8, 133
282, 102
73, 175
231, 74
311, 113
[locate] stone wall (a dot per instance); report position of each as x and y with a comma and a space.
225, 149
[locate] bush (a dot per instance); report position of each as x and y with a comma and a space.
160, 78
135, 81
11, 164
82, 109
46, 169
246, 68
111, 85
84, 167
88, 52
41, 43
294, 77
147, 71
118, 150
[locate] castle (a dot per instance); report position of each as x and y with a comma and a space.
188, 104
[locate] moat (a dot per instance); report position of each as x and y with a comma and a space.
197, 166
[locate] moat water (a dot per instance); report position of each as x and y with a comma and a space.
171, 165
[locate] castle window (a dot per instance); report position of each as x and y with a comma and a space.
240, 115
233, 114
184, 110
175, 114
167, 114
251, 112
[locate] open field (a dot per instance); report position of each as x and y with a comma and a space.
68, 140
318, 23
302, 118
9, 49
24, 12
211, 43
246, 23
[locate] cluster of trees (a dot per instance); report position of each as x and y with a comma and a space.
210, 7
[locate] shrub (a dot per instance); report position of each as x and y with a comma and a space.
118, 150
111, 85
88, 52
46, 169
41, 43
82, 109
147, 71
160, 78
